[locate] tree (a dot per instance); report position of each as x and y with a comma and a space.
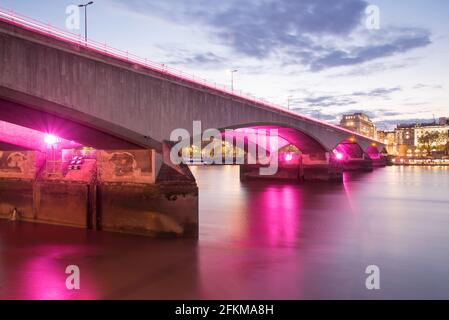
429, 139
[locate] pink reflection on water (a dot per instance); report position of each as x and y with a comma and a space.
347, 187
44, 276
267, 225
276, 215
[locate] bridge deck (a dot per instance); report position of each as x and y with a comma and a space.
162, 70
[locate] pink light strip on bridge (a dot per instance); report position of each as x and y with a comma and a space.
31, 24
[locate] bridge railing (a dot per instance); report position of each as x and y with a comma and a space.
102, 48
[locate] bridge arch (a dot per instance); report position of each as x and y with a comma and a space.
304, 141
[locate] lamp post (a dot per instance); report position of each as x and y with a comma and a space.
85, 17
232, 78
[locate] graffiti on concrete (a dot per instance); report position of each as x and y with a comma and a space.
12, 162
125, 166
123, 163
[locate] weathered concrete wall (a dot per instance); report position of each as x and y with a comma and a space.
365, 164
149, 209
50, 202
382, 161
87, 173
153, 210
284, 172
330, 173
16, 193
76, 83
62, 203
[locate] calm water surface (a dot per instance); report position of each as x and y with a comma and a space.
257, 241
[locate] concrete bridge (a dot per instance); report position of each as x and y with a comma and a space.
54, 84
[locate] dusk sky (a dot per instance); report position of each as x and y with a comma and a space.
319, 52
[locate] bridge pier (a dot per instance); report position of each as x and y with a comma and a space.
304, 167
321, 167
120, 191
358, 164
380, 161
366, 163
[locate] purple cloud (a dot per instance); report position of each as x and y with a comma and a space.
294, 31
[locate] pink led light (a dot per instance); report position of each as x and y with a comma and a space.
288, 157
339, 155
51, 139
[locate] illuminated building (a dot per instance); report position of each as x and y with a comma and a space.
360, 123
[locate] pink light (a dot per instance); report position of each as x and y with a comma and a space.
288, 157
339, 156
51, 139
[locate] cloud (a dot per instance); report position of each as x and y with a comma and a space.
341, 100
391, 124
328, 101
261, 28
332, 106
317, 34
195, 59
427, 86
395, 41
316, 113
376, 116
374, 67
379, 92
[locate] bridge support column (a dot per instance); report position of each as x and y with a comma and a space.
320, 167
284, 172
108, 190
359, 164
312, 167
379, 162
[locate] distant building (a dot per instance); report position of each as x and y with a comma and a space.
388, 138
407, 137
359, 123
424, 129
405, 134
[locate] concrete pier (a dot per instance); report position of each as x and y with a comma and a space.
304, 167
110, 190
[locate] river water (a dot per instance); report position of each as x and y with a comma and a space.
258, 240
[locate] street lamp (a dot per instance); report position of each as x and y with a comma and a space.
85, 17
232, 78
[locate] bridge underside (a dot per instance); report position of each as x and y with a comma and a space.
59, 171
301, 156
88, 132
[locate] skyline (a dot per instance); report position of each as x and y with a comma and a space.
329, 66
